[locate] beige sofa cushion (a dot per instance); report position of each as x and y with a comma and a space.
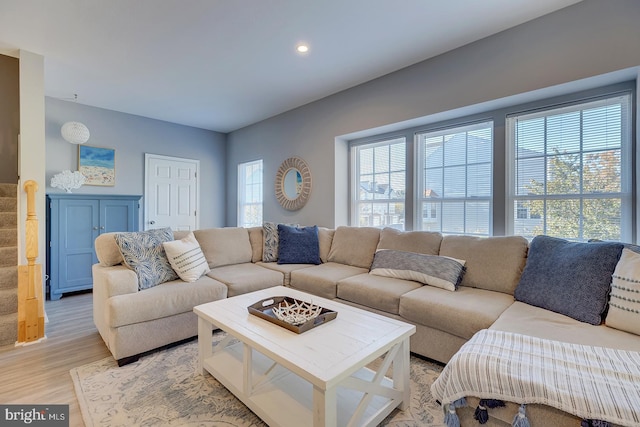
247, 277
256, 240
354, 246
492, 263
461, 313
107, 250
225, 246
526, 319
421, 242
382, 293
325, 237
322, 279
164, 300
285, 269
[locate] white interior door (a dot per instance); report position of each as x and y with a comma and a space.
171, 192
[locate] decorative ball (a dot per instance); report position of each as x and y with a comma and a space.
75, 132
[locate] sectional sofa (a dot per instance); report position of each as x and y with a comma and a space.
378, 270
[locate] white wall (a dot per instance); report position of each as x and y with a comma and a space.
132, 136
588, 39
31, 156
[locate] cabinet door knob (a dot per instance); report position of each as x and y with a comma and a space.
102, 227
95, 228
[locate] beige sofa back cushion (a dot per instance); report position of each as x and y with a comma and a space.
325, 238
225, 246
421, 242
256, 239
107, 250
354, 246
492, 263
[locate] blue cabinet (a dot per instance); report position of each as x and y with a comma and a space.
73, 223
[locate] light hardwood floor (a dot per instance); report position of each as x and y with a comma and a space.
39, 373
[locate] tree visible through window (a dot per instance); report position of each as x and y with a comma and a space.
571, 168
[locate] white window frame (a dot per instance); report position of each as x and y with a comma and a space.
626, 192
355, 180
242, 192
419, 190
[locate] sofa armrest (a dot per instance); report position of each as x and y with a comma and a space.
115, 280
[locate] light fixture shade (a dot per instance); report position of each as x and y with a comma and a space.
75, 132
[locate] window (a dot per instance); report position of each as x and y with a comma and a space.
379, 184
570, 171
563, 166
454, 185
250, 194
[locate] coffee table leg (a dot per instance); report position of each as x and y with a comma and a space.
401, 371
247, 387
325, 406
205, 343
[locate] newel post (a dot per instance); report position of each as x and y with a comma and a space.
30, 299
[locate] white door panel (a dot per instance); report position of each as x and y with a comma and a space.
171, 192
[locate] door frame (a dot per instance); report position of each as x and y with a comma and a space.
150, 156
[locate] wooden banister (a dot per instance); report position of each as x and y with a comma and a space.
30, 300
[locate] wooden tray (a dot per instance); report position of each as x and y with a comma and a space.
264, 310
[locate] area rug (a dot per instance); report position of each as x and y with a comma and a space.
163, 389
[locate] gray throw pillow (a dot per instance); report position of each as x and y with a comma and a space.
441, 272
143, 253
569, 278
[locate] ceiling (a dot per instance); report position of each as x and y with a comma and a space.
225, 64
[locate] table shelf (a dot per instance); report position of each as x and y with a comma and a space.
288, 400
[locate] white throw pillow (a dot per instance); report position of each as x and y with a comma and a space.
186, 258
624, 304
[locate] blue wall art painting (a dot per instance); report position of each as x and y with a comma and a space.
97, 164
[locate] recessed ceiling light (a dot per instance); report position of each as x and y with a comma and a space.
302, 48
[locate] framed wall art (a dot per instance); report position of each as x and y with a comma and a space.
97, 164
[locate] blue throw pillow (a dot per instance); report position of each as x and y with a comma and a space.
298, 245
569, 278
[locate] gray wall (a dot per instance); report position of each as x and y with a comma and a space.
588, 39
133, 136
9, 118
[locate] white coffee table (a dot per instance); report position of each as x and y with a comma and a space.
317, 378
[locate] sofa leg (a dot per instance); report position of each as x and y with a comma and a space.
135, 357
127, 360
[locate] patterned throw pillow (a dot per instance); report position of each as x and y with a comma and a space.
624, 305
298, 245
186, 258
143, 253
441, 272
270, 246
271, 239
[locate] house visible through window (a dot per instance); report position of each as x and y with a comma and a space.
250, 194
454, 183
571, 169
379, 184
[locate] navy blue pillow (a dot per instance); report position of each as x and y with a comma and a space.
569, 278
298, 245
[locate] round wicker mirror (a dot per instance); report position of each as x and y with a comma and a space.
293, 183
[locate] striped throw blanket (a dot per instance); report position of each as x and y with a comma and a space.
590, 382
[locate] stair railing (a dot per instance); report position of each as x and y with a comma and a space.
30, 300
